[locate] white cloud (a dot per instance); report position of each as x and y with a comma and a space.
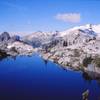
69, 17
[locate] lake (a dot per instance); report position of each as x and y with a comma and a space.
32, 78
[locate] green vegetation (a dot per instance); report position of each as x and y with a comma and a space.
97, 61
87, 61
65, 43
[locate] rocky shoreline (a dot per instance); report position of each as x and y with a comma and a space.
79, 49
77, 57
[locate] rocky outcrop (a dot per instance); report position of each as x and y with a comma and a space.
4, 37
13, 46
14, 38
19, 48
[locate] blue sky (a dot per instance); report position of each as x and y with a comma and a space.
47, 15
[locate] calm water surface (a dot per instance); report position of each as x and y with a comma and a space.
32, 78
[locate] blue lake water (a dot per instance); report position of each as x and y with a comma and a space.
32, 78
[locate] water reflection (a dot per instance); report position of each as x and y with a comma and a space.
3, 55
86, 77
91, 72
13, 57
45, 62
7, 57
89, 76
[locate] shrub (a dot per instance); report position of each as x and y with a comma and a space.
97, 61
65, 43
87, 61
14, 49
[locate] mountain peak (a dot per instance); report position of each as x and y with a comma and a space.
4, 36
88, 28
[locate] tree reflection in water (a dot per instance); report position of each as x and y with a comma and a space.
4, 55
89, 76
45, 62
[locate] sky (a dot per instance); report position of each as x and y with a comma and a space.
27, 16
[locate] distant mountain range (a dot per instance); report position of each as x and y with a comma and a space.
75, 35
72, 35
72, 47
